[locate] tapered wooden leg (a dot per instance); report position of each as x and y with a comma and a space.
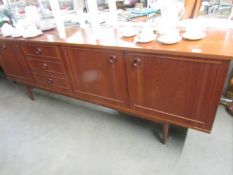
165, 132
30, 93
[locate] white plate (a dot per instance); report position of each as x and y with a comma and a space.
168, 39
16, 36
6, 35
48, 28
32, 35
191, 36
129, 34
145, 40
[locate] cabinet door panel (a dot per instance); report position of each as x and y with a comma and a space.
13, 62
99, 76
184, 91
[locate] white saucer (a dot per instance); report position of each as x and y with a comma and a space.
48, 28
168, 39
32, 35
129, 34
145, 40
6, 35
16, 35
192, 36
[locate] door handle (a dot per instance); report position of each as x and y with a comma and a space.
44, 66
50, 81
136, 63
112, 59
3, 47
38, 51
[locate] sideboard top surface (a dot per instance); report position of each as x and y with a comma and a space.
218, 44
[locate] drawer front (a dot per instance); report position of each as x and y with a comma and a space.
51, 82
46, 66
51, 52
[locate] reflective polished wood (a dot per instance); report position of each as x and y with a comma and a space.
175, 88
98, 75
217, 44
13, 62
174, 84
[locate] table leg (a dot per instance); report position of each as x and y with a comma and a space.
30, 93
165, 132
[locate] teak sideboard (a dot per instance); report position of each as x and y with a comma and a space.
177, 84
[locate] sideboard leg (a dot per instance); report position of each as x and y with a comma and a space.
165, 132
30, 93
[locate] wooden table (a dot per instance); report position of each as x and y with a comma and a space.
179, 84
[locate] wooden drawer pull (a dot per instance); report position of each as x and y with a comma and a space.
112, 59
44, 66
38, 51
3, 46
136, 63
50, 81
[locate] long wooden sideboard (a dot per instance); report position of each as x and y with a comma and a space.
173, 84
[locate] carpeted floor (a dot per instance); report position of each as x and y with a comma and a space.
56, 135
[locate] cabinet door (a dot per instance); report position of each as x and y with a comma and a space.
98, 75
179, 90
13, 62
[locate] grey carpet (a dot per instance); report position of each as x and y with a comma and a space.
56, 135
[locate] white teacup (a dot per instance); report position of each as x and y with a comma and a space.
146, 33
46, 25
129, 32
195, 26
31, 31
173, 32
7, 29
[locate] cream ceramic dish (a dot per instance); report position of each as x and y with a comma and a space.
129, 33
145, 39
48, 28
32, 34
169, 39
193, 35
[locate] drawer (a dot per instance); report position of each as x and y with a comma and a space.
51, 52
52, 82
46, 66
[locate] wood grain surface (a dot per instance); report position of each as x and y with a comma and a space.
179, 84
217, 44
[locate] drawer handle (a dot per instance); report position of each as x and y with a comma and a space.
44, 66
3, 46
50, 81
112, 59
136, 63
38, 51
